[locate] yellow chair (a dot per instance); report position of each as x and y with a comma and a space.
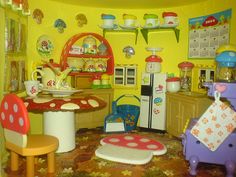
15, 123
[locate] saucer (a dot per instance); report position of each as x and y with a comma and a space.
150, 27
108, 27
128, 27
60, 92
169, 25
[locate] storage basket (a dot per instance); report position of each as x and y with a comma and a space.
130, 112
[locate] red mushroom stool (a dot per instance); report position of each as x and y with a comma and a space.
59, 115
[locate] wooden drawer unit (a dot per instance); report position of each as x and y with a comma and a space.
92, 119
181, 107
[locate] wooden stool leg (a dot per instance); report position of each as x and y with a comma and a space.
30, 166
51, 162
14, 161
36, 159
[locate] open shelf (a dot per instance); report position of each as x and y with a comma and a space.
135, 31
146, 31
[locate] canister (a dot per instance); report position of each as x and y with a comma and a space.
173, 84
153, 64
185, 75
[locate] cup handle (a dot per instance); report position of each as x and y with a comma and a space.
35, 71
40, 87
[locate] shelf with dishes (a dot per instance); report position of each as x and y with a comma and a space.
87, 54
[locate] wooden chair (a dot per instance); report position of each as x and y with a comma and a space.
15, 123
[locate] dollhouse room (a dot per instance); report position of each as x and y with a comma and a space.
117, 88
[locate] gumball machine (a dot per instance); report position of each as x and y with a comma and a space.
185, 76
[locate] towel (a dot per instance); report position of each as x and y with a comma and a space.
215, 125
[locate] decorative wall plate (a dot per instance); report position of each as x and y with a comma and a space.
44, 46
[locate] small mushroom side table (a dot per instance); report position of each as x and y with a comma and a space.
59, 115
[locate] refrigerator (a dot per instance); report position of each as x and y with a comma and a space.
153, 101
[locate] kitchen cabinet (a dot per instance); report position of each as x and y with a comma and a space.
75, 48
93, 119
181, 107
125, 76
146, 31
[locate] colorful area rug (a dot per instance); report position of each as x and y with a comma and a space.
82, 161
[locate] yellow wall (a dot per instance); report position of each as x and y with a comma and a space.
172, 54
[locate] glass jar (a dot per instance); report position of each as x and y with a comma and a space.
226, 67
185, 75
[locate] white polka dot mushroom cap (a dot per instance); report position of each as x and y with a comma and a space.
14, 115
58, 104
135, 141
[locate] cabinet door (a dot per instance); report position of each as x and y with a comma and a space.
130, 76
119, 76
173, 115
93, 119
188, 111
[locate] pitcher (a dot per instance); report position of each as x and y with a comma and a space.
47, 74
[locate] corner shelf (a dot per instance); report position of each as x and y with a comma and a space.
66, 53
135, 31
146, 31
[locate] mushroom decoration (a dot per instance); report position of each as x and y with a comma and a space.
81, 20
131, 149
129, 51
60, 25
38, 16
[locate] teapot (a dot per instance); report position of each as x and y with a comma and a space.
47, 74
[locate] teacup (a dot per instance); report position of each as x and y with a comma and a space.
32, 88
129, 20
170, 18
108, 20
151, 20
